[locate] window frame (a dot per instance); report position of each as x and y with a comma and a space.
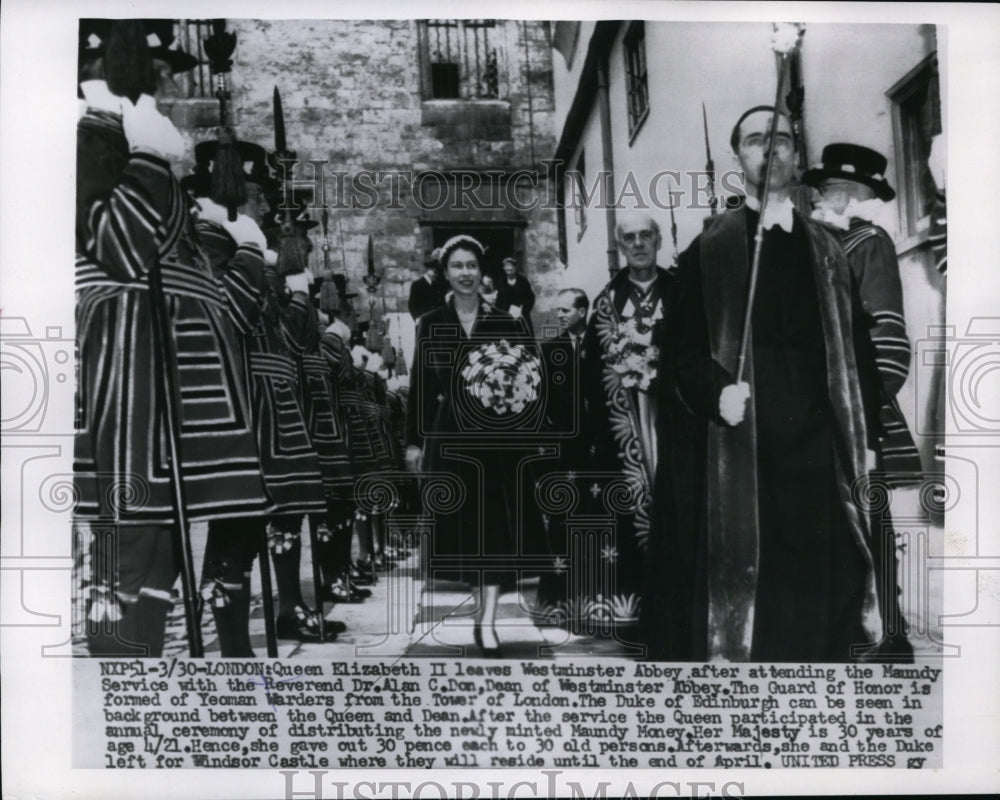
636, 82
914, 227
464, 75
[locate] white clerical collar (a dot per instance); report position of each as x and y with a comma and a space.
778, 212
99, 97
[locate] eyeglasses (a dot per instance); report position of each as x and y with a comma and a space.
641, 236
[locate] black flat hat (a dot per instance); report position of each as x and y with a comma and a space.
94, 35
93, 38
298, 214
160, 38
852, 162
276, 217
254, 161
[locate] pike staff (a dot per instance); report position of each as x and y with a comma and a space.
373, 337
785, 39
713, 200
673, 230
229, 190
168, 387
292, 259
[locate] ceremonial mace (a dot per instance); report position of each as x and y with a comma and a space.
785, 39
219, 48
283, 154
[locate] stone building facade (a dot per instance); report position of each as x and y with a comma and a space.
418, 130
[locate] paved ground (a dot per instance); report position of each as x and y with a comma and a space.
406, 616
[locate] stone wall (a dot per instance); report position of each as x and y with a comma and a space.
352, 98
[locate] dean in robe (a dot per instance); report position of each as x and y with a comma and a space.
758, 551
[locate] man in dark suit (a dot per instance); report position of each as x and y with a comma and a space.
571, 309
427, 291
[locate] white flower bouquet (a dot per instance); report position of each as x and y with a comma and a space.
632, 355
503, 377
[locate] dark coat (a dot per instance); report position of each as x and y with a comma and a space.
758, 520
565, 410
486, 525
520, 294
131, 212
425, 296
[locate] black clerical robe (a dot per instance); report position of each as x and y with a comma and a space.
767, 555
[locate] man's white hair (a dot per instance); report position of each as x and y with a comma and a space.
637, 216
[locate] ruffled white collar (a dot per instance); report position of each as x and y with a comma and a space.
872, 210
99, 97
210, 211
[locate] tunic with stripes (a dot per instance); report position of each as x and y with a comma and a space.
350, 400
288, 460
325, 419
380, 420
872, 257
131, 213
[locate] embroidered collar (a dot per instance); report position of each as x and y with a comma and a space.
777, 212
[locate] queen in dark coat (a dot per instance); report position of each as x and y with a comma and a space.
466, 432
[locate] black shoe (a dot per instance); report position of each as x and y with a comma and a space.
363, 572
339, 593
485, 652
304, 627
358, 594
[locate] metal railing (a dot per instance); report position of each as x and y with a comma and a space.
190, 34
462, 58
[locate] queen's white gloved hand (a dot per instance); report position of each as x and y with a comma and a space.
733, 403
148, 131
